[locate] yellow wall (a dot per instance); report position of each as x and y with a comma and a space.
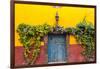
40, 14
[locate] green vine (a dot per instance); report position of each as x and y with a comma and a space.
30, 37
85, 35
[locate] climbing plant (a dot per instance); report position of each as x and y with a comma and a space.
84, 33
30, 37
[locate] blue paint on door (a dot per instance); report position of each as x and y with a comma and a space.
56, 48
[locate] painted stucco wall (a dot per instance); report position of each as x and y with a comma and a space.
40, 14
73, 56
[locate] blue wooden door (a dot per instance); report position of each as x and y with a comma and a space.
56, 48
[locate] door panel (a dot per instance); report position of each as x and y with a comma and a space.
56, 48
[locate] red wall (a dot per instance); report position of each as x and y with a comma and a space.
74, 55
